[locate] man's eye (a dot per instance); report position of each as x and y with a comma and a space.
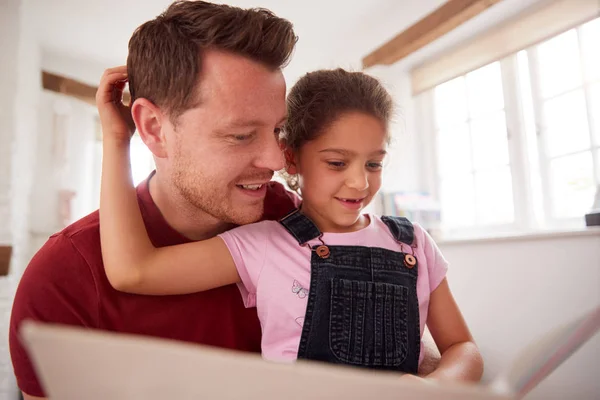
241, 138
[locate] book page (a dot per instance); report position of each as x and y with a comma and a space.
75, 363
545, 354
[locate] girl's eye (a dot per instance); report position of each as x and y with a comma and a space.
278, 131
336, 164
375, 166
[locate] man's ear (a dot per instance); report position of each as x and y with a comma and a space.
149, 120
290, 162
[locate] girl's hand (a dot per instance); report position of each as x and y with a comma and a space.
415, 379
115, 117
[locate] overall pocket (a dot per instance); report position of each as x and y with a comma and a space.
368, 323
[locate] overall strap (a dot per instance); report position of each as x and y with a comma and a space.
401, 228
300, 227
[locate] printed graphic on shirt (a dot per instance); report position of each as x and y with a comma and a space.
299, 290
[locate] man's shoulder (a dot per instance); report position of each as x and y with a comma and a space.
78, 243
59, 285
60, 273
86, 226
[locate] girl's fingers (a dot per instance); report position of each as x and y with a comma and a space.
119, 70
111, 85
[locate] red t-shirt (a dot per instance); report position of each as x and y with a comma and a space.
65, 283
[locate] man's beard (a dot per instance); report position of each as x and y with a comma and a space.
210, 197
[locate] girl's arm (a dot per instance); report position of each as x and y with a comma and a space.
460, 360
131, 262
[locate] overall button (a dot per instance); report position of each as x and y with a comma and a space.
410, 260
323, 251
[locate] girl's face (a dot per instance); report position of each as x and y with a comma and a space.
340, 172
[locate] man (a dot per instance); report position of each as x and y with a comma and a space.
208, 99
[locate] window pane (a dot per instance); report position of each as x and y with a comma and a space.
591, 55
494, 197
595, 107
454, 151
490, 143
485, 90
535, 176
450, 102
560, 68
528, 110
572, 182
458, 201
566, 124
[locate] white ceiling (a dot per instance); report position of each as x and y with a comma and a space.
94, 33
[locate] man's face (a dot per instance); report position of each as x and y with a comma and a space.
222, 153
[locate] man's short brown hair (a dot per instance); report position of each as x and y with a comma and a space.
165, 53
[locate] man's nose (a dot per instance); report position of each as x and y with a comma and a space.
270, 155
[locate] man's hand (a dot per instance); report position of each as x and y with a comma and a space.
115, 117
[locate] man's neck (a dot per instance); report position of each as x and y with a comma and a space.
182, 216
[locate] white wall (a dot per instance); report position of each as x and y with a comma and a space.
19, 98
66, 160
29, 179
402, 169
9, 26
86, 71
513, 290
9, 35
26, 101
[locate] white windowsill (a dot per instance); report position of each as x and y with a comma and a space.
534, 235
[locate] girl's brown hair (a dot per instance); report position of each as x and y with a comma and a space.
319, 98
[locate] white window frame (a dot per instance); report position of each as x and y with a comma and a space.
514, 133
525, 220
534, 71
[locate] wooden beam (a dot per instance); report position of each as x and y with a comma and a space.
441, 21
5, 254
73, 88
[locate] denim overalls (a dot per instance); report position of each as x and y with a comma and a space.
362, 305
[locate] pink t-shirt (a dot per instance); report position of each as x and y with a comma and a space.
275, 273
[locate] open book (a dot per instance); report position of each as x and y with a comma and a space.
74, 363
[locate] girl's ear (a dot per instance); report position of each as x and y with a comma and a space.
290, 162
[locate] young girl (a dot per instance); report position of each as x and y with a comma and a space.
329, 282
